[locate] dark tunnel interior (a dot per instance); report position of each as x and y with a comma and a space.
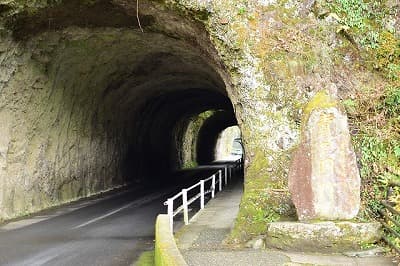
157, 142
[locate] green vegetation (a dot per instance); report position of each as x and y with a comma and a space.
146, 259
366, 25
375, 122
387, 56
374, 111
319, 101
189, 164
360, 18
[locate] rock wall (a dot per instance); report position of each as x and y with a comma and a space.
86, 108
189, 138
60, 140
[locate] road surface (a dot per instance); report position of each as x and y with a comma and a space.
110, 230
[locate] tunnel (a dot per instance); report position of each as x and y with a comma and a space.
209, 133
93, 100
157, 140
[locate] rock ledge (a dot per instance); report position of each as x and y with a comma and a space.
322, 236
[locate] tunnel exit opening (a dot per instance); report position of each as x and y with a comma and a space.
229, 145
201, 139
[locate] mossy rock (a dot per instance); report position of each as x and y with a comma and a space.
325, 237
321, 100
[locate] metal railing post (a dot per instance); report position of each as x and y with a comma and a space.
170, 203
213, 186
220, 179
226, 175
184, 193
201, 194
185, 206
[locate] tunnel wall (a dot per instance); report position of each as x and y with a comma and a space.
88, 108
187, 136
72, 128
61, 139
196, 137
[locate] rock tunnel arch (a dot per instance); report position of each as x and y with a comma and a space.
89, 103
209, 133
198, 136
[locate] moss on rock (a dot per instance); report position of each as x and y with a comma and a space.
321, 100
322, 237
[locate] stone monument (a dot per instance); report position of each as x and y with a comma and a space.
324, 180
324, 183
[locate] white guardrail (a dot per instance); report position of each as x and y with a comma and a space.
219, 178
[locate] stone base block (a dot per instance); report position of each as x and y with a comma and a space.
322, 236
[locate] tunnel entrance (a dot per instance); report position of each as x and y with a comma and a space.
90, 104
201, 137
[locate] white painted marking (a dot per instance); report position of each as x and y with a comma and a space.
104, 216
135, 203
43, 258
23, 223
62, 210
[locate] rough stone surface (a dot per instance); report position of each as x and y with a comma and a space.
257, 243
379, 251
80, 109
324, 180
322, 236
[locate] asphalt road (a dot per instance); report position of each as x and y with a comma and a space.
110, 230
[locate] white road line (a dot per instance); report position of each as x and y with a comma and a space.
70, 207
43, 258
138, 202
104, 216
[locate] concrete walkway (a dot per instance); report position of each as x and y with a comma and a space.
201, 242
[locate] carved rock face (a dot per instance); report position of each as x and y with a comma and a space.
324, 180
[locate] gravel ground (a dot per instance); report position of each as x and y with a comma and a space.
234, 258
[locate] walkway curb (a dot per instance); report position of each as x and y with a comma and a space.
166, 250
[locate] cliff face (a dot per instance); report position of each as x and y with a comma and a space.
82, 89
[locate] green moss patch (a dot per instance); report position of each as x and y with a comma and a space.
321, 100
265, 198
146, 259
